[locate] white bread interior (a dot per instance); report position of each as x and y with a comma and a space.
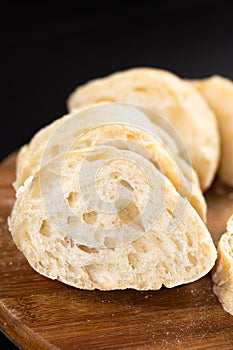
223, 271
170, 244
91, 127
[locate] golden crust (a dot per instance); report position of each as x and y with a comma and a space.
218, 92
173, 98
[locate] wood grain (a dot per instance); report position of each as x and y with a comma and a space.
38, 313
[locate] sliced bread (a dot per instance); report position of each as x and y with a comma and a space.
223, 271
218, 92
127, 127
109, 219
171, 97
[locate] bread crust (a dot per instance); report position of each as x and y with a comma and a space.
218, 92
173, 98
223, 271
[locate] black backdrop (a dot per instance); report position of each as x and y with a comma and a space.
52, 49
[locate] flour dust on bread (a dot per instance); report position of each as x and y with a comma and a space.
132, 130
173, 98
218, 92
223, 271
134, 230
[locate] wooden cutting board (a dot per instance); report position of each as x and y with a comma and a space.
38, 313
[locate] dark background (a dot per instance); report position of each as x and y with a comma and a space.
51, 49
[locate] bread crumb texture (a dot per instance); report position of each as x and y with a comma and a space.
109, 215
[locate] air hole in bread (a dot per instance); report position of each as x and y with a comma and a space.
96, 156
179, 245
141, 245
105, 99
27, 236
205, 246
140, 89
170, 213
91, 270
72, 198
115, 175
71, 164
55, 150
129, 213
189, 239
165, 268
71, 268
192, 258
87, 249
112, 197
50, 255
90, 218
41, 264
133, 260
131, 137
126, 185
65, 242
45, 229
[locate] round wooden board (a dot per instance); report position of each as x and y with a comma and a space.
38, 313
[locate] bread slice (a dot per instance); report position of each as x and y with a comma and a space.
109, 219
170, 96
129, 128
218, 92
30, 155
223, 271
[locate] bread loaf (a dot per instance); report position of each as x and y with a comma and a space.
218, 92
173, 98
223, 271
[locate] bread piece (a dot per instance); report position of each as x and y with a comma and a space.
173, 98
223, 271
132, 129
109, 220
218, 92
30, 155
71, 126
